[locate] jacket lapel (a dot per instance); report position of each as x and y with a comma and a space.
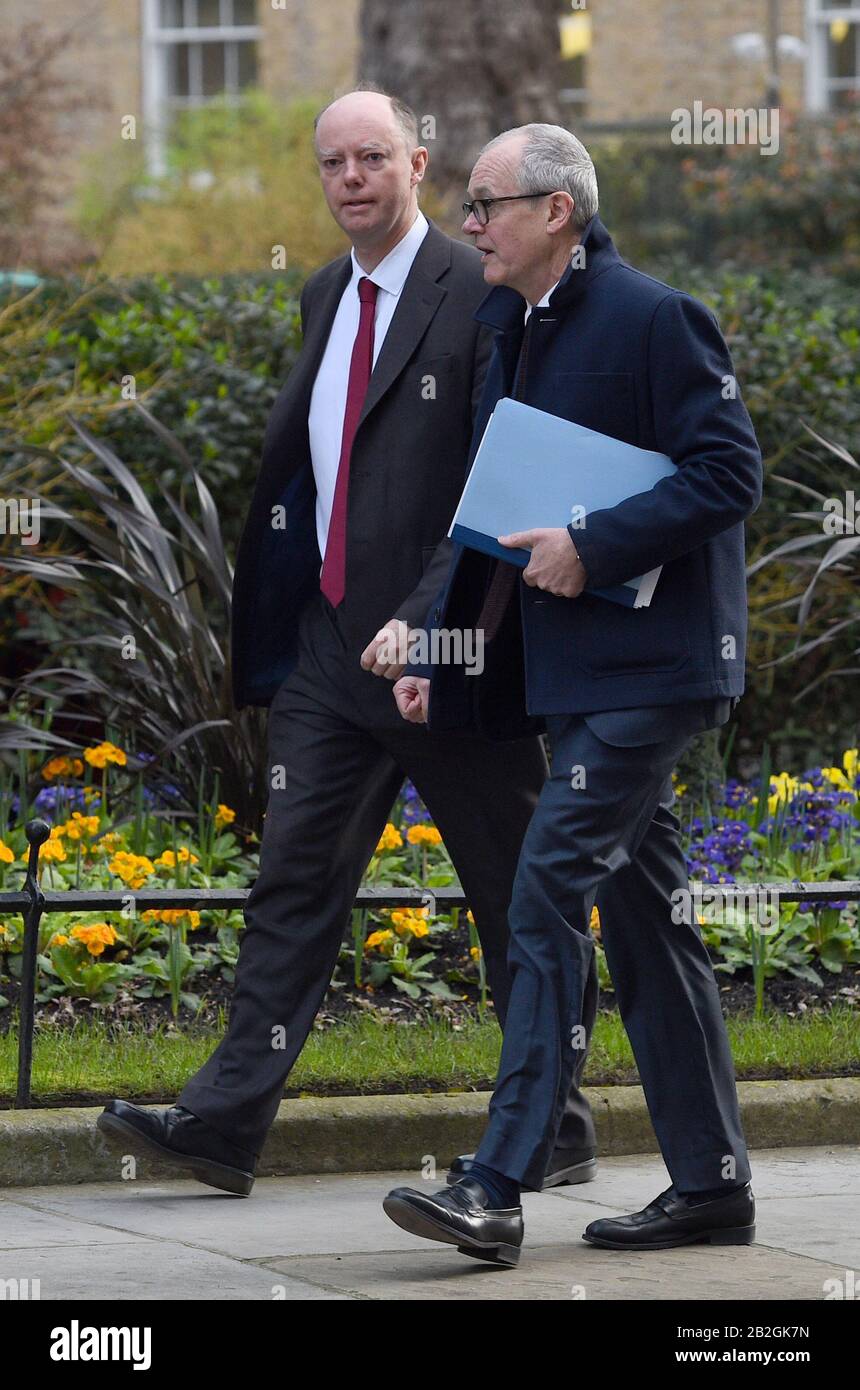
325, 307
286, 439
418, 303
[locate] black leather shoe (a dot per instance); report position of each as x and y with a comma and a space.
565, 1166
459, 1215
671, 1220
181, 1139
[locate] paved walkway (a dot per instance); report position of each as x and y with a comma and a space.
328, 1238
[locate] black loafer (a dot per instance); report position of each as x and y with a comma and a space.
565, 1166
671, 1220
177, 1137
459, 1215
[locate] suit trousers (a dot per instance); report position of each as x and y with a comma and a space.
345, 750
612, 832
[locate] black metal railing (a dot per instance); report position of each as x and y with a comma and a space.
32, 902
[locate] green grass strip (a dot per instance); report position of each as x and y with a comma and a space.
366, 1056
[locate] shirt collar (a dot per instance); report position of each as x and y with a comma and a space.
543, 303
391, 273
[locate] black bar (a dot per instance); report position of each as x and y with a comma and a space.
37, 832
109, 900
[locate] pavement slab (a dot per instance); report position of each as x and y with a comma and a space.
326, 1237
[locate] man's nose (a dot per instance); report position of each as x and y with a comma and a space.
471, 226
353, 172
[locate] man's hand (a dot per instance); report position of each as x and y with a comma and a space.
412, 694
555, 564
386, 655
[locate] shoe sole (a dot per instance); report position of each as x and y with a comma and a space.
565, 1177
729, 1235
418, 1223
578, 1172
206, 1170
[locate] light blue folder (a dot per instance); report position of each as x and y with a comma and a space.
535, 469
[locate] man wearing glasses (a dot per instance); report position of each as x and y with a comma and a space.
582, 335
343, 548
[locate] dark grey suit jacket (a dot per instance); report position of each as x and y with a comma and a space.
408, 466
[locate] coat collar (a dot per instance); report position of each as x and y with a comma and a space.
504, 308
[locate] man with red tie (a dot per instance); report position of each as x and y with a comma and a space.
363, 464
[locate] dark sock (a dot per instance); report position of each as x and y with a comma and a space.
501, 1190
696, 1198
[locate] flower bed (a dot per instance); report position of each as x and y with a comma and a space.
788, 829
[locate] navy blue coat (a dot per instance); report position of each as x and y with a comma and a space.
625, 354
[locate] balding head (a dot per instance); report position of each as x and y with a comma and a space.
371, 165
372, 107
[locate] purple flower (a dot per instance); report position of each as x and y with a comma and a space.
414, 811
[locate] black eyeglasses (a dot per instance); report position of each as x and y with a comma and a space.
481, 206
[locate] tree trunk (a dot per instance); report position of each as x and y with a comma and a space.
468, 68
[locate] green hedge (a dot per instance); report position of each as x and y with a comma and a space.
209, 357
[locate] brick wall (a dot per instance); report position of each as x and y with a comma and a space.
650, 56
647, 57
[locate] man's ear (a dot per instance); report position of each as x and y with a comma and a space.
561, 206
419, 166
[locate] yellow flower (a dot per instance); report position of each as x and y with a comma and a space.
7, 933
169, 860
59, 939
133, 869
51, 852
95, 936
784, 786
109, 841
475, 952
81, 827
172, 915
469, 917
391, 838
6, 855
423, 835
379, 940
55, 768
224, 816
594, 923
105, 753
411, 921
843, 777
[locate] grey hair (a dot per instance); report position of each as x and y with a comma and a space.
553, 158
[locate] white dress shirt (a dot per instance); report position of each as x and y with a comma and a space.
542, 303
328, 398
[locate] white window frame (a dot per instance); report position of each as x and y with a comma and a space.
155, 43
817, 84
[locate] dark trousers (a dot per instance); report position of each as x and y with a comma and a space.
344, 750
616, 836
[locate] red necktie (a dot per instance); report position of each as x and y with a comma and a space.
333, 577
